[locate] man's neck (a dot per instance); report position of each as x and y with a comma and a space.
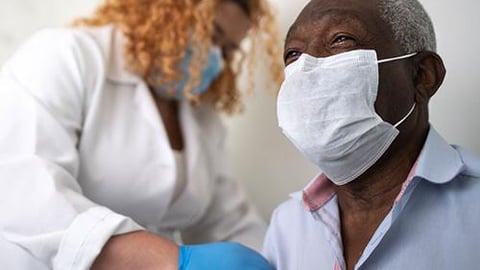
378, 188
374, 192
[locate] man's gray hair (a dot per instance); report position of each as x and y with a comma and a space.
411, 26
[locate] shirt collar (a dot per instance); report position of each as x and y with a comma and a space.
317, 193
437, 163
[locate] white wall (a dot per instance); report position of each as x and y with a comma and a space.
260, 156
20, 18
455, 109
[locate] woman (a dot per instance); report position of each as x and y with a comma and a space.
111, 142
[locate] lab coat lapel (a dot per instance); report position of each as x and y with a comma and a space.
199, 173
143, 99
146, 104
192, 136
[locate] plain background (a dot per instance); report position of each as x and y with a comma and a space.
261, 158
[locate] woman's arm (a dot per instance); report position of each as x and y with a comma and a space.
145, 251
137, 250
44, 210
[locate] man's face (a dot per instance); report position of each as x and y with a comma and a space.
329, 27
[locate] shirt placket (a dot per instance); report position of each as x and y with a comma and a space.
386, 224
328, 214
330, 218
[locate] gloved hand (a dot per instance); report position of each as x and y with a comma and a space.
221, 256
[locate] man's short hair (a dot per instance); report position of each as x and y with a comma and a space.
411, 26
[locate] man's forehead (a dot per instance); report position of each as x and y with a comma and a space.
365, 11
363, 5
317, 9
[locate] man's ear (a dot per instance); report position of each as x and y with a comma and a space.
429, 75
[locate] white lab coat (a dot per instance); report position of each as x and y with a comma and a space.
84, 156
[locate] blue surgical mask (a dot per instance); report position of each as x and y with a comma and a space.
210, 71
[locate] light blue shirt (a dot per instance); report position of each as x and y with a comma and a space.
434, 224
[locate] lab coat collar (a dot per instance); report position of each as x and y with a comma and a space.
190, 126
112, 40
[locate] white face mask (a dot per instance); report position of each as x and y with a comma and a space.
326, 109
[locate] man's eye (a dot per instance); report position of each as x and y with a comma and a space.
291, 56
343, 40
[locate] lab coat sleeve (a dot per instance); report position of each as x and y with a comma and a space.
42, 102
230, 216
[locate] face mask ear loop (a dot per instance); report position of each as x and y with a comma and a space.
406, 116
396, 58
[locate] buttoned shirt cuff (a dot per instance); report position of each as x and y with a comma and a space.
88, 234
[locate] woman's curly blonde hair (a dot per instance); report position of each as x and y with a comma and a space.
158, 32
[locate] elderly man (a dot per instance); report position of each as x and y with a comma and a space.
392, 193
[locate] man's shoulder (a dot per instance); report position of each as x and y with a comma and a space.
471, 163
291, 205
461, 190
291, 214
467, 183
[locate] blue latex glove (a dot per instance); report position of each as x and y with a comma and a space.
221, 256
